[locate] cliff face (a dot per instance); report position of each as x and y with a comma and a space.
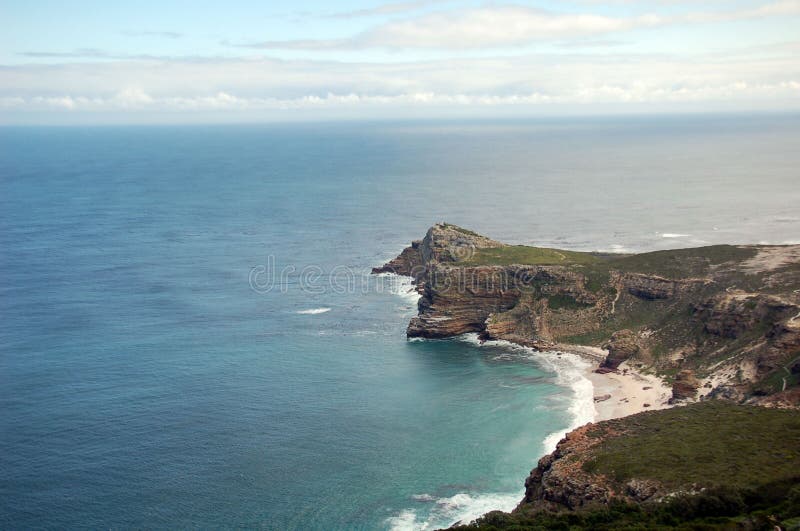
728, 314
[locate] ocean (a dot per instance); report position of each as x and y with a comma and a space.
190, 336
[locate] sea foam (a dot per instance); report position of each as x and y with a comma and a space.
313, 311
399, 285
462, 507
570, 372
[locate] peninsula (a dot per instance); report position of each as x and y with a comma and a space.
718, 322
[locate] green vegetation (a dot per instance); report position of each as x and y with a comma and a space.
773, 506
525, 255
741, 464
675, 263
460, 229
682, 263
706, 443
557, 302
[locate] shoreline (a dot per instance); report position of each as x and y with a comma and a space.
615, 394
623, 392
627, 392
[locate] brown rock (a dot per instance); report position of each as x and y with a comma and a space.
408, 263
622, 346
653, 287
685, 385
641, 489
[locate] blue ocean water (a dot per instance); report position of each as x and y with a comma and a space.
190, 337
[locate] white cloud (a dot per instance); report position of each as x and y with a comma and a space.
387, 9
513, 25
241, 87
162, 34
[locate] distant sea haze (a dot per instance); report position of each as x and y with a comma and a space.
145, 382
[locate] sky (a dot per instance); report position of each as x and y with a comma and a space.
245, 61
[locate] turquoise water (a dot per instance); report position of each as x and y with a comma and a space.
150, 377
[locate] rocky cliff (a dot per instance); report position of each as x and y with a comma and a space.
721, 321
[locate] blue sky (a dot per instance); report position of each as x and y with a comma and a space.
147, 61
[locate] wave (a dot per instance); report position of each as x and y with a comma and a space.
570, 372
399, 285
462, 507
674, 235
313, 311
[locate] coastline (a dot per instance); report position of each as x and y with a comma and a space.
627, 392
575, 366
615, 394
622, 392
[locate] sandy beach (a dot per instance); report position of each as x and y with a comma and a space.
623, 393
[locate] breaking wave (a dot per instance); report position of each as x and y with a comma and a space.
313, 311
399, 285
570, 372
462, 507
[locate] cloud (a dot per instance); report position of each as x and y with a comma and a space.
163, 34
387, 9
79, 53
136, 100
513, 25
238, 87
485, 27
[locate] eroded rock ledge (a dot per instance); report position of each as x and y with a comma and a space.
729, 316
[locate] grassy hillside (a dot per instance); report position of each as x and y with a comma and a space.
729, 466
674, 263
704, 444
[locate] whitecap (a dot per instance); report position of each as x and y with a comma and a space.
674, 235
406, 520
570, 372
313, 311
399, 285
462, 507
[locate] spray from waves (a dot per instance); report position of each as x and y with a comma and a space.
461, 507
570, 372
570, 369
313, 311
399, 285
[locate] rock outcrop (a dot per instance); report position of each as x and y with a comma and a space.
685, 385
622, 346
408, 263
654, 287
